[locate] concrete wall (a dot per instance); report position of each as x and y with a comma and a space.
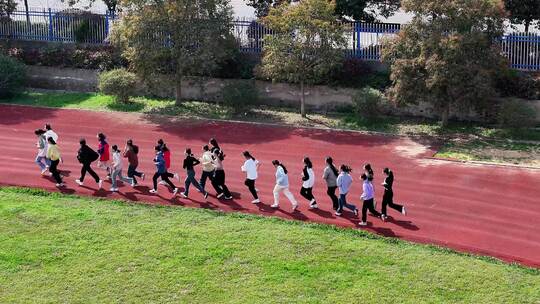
319, 98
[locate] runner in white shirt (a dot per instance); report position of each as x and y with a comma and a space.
117, 169
50, 133
251, 165
308, 180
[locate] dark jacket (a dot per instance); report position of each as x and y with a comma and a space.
86, 155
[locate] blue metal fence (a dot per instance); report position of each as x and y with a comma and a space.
364, 39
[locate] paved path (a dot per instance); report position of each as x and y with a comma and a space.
487, 210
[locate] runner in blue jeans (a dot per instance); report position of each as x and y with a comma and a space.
344, 181
189, 163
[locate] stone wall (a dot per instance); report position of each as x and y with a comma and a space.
318, 98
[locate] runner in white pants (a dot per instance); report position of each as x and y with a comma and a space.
282, 185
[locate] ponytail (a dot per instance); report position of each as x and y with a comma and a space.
248, 155
308, 162
277, 163
330, 163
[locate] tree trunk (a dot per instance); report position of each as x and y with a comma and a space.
527, 24
302, 100
444, 115
178, 90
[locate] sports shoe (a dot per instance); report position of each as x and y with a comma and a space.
44, 171
219, 195
256, 190
228, 197
100, 184
177, 176
355, 212
205, 195
153, 191
275, 206
383, 217
78, 181
294, 207
175, 191
108, 177
337, 213
114, 189
314, 206
403, 211
133, 184
255, 201
362, 224
60, 185
142, 176
182, 194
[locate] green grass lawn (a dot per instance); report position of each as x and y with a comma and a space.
56, 248
467, 150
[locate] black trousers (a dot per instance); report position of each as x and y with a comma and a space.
132, 172
218, 181
368, 205
250, 183
86, 168
307, 193
164, 178
388, 200
54, 170
331, 191
206, 175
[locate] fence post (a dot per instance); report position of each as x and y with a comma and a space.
358, 29
50, 25
106, 25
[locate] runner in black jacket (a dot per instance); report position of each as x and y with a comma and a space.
86, 156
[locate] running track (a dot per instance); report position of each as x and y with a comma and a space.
487, 210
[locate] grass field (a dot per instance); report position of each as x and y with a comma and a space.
56, 248
466, 148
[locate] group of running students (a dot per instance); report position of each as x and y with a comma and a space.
211, 161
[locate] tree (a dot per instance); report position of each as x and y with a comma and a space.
178, 37
7, 7
306, 45
446, 55
361, 10
523, 11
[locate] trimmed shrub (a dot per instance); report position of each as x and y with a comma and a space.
516, 114
238, 95
366, 103
12, 76
119, 83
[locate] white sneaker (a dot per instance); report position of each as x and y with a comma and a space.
337, 213
44, 171
153, 191
356, 212
256, 190
177, 176
255, 201
142, 176
114, 189
403, 211
182, 194
219, 195
362, 224
133, 184
294, 207
60, 185
100, 184
384, 217
275, 206
78, 181
314, 206
228, 197
175, 191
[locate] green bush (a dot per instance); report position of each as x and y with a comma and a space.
12, 76
366, 103
238, 95
516, 114
119, 83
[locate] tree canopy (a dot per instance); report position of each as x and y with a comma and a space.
446, 55
306, 45
524, 12
178, 37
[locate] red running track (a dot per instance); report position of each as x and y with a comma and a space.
487, 210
